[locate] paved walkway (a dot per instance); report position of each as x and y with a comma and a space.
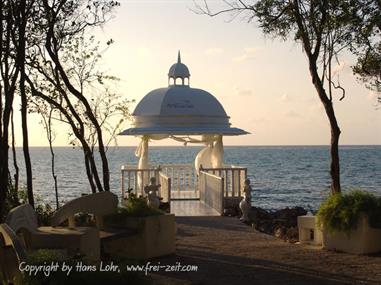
229, 252
186, 208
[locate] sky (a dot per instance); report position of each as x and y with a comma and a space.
263, 83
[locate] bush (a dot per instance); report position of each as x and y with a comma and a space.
340, 212
44, 214
15, 198
137, 207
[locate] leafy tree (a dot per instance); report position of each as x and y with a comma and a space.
324, 28
38, 42
58, 23
79, 57
367, 45
368, 69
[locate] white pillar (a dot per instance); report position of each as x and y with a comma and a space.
142, 153
218, 153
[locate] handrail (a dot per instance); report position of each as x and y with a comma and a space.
212, 190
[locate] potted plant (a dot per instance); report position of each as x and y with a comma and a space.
351, 222
156, 230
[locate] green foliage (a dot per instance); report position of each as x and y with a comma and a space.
46, 255
44, 214
137, 207
133, 207
15, 198
368, 69
340, 212
12, 199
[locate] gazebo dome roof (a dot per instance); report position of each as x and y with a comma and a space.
180, 110
181, 101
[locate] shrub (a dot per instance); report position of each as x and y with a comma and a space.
44, 213
340, 212
137, 207
15, 198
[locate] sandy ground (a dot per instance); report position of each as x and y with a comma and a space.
229, 252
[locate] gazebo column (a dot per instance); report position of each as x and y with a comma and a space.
218, 153
142, 153
212, 156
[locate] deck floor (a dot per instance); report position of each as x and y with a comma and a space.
185, 194
187, 208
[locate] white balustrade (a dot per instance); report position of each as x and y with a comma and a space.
184, 179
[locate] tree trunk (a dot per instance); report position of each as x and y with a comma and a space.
49, 134
24, 101
15, 165
7, 88
335, 130
335, 162
89, 176
3, 176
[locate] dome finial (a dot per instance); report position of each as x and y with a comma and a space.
178, 71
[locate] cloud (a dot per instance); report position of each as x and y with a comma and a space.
243, 92
339, 67
214, 51
248, 53
317, 107
292, 114
259, 121
285, 98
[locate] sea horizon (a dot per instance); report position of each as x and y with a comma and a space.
282, 176
230, 145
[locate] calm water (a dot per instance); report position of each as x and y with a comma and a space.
281, 176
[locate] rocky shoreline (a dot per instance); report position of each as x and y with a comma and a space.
280, 223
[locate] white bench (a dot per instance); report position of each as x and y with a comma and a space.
84, 240
309, 232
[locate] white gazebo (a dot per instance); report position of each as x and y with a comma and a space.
185, 114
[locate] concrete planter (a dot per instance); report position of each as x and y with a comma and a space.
309, 232
362, 240
156, 237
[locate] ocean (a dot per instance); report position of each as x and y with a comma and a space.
281, 176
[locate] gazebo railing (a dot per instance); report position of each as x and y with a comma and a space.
234, 178
184, 179
136, 179
165, 189
212, 190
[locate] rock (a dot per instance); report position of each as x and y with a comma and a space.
280, 232
281, 223
257, 214
292, 235
232, 211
